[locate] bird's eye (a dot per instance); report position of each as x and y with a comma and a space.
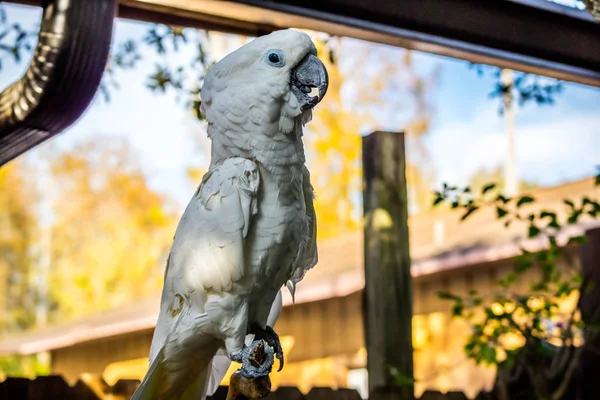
275, 58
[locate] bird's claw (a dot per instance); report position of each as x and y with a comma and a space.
272, 339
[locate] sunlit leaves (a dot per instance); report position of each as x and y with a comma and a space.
335, 142
512, 324
18, 239
112, 232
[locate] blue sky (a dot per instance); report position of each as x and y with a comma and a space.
554, 143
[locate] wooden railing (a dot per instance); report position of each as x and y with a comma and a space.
95, 388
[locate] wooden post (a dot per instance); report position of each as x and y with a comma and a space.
589, 304
387, 298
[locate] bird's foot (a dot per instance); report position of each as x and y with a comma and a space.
256, 359
237, 357
272, 339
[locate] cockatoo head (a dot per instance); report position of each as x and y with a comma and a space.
264, 90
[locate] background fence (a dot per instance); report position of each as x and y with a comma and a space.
95, 388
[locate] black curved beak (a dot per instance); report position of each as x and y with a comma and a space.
310, 73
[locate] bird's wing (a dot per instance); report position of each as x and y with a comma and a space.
208, 249
308, 256
207, 256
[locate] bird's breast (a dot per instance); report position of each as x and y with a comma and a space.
280, 227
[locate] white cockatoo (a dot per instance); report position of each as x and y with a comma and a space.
250, 228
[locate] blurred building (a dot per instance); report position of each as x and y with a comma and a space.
322, 334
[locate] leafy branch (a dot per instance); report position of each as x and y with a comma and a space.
525, 88
14, 39
527, 333
164, 40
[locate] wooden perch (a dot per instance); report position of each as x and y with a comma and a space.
251, 388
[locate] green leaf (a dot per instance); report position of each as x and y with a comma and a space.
523, 265
488, 187
438, 200
593, 208
502, 199
581, 239
589, 287
569, 203
533, 231
501, 212
488, 354
564, 289
574, 217
524, 200
531, 217
401, 379
554, 224
510, 278
470, 211
448, 296
473, 292
457, 309
547, 214
470, 346
539, 287
597, 182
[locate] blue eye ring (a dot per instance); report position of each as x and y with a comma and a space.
275, 57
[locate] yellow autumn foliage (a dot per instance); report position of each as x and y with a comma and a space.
111, 233
334, 148
18, 235
334, 139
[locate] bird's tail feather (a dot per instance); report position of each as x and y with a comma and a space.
219, 367
148, 389
197, 390
182, 366
153, 385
